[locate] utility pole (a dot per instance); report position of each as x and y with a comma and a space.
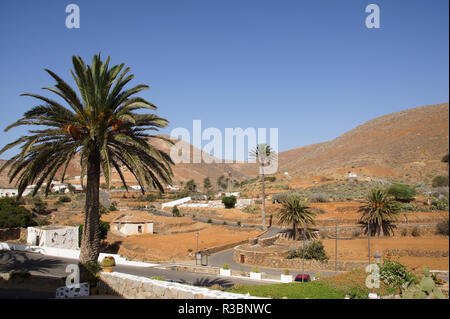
196, 253
368, 237
336, 248
303, 255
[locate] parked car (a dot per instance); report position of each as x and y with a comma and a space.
302, 278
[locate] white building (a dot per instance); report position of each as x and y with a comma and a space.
60, 188
131, 225
53, 236
8, 192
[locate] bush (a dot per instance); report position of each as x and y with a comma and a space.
439, 203
402, 193
176, 212
226, 266
209, 221
404, 232
108, 261
64, 199
439, 181
395, 274
442, 227
314, 250
229, 201
14, 215
256, 270
286, 272
270, 179
319, 198
415, 232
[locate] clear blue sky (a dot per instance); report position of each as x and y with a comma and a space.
310, 68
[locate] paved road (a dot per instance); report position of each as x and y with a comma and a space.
38, 264
226, 257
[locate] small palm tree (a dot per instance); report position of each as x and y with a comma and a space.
263, 154
295, 212
102, 128
379, 212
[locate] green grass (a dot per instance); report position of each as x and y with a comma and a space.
307, 290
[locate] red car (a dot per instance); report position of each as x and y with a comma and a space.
302, 278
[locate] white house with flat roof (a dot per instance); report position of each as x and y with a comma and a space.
128, 224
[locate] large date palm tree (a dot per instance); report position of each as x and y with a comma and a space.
295, 212
102, 127
379, 212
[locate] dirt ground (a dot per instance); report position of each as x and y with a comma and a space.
180, 246
357, 250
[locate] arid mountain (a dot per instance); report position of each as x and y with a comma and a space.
406, 145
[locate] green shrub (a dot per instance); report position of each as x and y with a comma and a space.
395, 274
14, 215
442, 227
226, 266
239, 223
404, 232
445, 158
229, 201
176, 212
286, 272
439, 181
440, 203
402, 193
270, 179
313, 250
64, 199
108, 261
256, 270
209, 221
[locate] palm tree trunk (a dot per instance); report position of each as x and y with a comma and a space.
90, 239
263, 211
294, 230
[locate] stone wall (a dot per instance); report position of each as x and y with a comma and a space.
276, 259
11, 233
349, 232
417, 253
134, 287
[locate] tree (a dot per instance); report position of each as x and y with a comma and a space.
402, 193
207, 184
379, 212
263, 154
101, 127
295, 212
